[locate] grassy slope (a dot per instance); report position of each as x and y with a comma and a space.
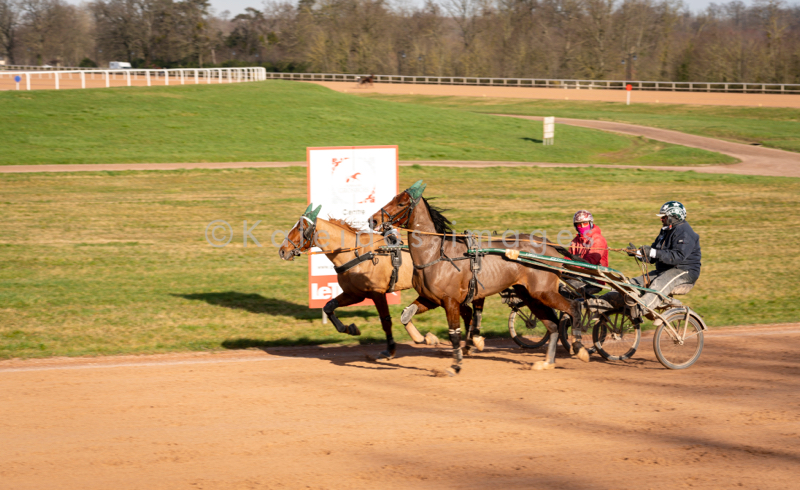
772, 127
276, 121
101, 263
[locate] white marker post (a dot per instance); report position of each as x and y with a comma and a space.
628, 89
17, 79
549, 130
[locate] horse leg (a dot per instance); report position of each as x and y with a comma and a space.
466, 314
475, 327
452, 309
343, 299
555, 300
549, 320
420, 305
386, 322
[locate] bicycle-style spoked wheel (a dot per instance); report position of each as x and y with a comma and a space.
678, 343
615, 336
525, 329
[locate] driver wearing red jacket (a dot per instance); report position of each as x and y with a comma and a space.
589, 243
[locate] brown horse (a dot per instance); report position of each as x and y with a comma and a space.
440, 281
362, 270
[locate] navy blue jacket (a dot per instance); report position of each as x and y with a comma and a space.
678, 246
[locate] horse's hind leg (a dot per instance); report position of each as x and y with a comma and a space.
453, 309
386, 322
474, 333
466, 314
549, 320
420, 305
555, 300
343, 299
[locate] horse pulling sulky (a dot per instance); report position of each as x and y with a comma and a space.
453, 270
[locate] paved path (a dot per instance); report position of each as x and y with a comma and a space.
754, 160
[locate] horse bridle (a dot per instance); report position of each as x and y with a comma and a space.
405, 212
306, 233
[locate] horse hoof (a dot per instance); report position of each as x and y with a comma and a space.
542, 365
583, 354
386, 355
431, 339
478, 342
453, 370
353, 330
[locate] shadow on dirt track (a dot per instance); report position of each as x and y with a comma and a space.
255, 303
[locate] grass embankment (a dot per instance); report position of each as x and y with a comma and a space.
118, 262
277, 120
768, 126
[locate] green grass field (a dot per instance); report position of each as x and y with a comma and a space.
109, 263
768, 126
277, 120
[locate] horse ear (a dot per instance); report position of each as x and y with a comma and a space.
308, 209
414, 187
315, 213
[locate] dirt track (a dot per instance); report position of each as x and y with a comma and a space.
660, 97
330, 418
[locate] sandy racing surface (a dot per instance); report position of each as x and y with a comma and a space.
332, 418
637, 96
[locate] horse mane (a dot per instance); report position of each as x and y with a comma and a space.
344, 224
440, 222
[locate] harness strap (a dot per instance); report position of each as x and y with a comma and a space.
397, 261
349, 265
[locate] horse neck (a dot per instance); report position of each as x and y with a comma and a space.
423, 248
337, 237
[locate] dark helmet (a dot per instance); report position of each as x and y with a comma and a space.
673, 209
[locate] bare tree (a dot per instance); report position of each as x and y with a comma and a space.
9, 23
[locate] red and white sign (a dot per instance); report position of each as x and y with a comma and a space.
351, 183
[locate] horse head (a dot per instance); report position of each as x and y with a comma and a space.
301, 237
398, 211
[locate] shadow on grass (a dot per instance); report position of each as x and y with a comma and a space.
533, 140
255, 303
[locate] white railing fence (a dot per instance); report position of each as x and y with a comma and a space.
728, 87
129, 77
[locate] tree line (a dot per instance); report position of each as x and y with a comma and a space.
584, 39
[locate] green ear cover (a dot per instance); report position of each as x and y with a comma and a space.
308, 209
315, 213
416, 190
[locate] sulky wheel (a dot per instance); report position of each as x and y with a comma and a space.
678, 344
525, 329
566, 336
615, 336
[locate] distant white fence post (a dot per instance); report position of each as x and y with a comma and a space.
83, 80
57, 77
28, 81
128, 75
108, 79
166, 77
195, 77
147, 75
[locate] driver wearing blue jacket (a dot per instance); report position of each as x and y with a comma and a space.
676, 255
